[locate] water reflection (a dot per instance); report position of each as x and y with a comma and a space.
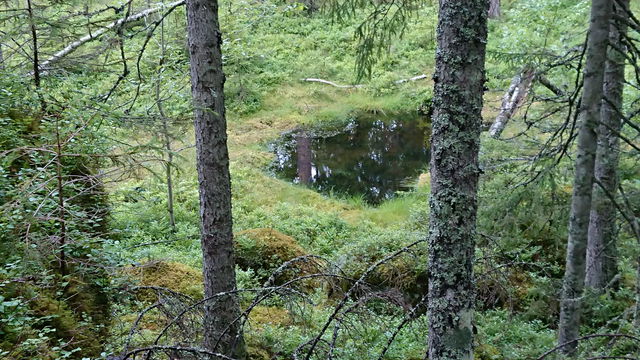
374, 156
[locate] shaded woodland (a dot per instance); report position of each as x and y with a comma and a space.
324, 179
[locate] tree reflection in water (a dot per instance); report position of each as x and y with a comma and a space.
374, 157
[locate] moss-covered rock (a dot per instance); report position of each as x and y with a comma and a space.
405, 273
487, 352
171, 275
269, 315
261, 317
266, 249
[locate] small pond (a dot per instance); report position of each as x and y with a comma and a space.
373, 156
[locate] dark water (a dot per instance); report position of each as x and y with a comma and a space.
374, 156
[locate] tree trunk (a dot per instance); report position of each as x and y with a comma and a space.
601, 248
34, 39
1, 58
573, 283
455, 141
222, 333
303, 150
512, 100
166, 134
494, 9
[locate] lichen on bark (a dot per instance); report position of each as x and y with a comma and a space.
455, 142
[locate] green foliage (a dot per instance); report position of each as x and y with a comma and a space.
511, 337
268, 47
534, 33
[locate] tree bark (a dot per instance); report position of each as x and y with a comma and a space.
573, 284
455, 141
222, 332
601, 249
494, 9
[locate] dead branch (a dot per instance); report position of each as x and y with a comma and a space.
46, 65
176, 348
332, 83
359, 86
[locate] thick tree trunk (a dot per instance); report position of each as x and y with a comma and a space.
573, 283
221, 328
494, 9
601, 248
512, 100
455, 141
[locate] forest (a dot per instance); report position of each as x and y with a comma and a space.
319, 179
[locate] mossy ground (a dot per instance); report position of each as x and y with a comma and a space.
275, 220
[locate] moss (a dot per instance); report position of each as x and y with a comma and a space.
261, 317
68, 319
269, 315
257, 353
487, 352
55, 314
75, 313
152, 321
171, 275
266, 249
88, 299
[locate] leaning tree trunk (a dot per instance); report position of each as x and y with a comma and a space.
573, 284
494, 9
601, 249
512, 100
222, 333
455, 141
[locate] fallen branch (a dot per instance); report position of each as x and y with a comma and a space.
332, 83
359, 86
192, 350
46, 65
419, 77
